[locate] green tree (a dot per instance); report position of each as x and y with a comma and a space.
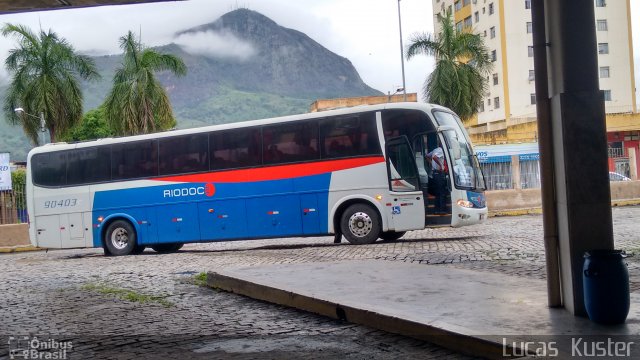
462, 64
45, 72
93, 126
18, 183
137, 103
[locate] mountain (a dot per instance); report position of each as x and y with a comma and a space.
242, 66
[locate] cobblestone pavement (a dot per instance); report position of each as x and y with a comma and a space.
80, 295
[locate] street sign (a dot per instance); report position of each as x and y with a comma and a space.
5, 172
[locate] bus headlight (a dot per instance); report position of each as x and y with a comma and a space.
465, 203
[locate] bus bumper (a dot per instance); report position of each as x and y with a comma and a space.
462, 216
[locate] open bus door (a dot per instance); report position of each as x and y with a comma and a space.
423, 143
407, 208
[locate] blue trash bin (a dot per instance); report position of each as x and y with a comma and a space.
605, 280
22, 216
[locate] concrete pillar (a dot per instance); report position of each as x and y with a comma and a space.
579, 142
515, 172
633, 163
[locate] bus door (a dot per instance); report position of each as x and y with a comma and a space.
423, 144
407, 209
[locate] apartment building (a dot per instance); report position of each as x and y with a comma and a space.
507, 29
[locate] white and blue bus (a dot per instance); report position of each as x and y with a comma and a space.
357, 172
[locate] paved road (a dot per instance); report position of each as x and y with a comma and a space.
77, 295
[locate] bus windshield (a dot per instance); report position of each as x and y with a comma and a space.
465, 166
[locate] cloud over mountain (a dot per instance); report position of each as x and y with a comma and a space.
215, 44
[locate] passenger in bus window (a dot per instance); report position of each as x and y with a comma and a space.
438, 185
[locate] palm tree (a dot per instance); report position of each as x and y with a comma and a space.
462, 64
137, 103
45, 71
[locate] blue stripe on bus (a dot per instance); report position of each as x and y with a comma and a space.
185, 212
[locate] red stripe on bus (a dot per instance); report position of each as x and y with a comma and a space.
275, 172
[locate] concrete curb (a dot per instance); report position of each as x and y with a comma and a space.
22, 248
459, 342
538, 210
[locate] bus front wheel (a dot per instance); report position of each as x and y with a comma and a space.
360, 224
120, 238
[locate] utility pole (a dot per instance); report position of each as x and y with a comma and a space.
404, 86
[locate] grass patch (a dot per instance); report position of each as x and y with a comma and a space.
128, 295
200, 279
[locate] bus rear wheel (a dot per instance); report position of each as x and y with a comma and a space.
167, 248
360, 224
392, 235
120, 238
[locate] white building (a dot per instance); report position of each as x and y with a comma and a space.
506, 27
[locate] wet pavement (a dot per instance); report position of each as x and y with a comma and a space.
77, 295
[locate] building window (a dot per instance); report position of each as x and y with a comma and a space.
491, 9
532, 75
449, 8
601, 3
467, 22
495, 79
496, 103
484, 10
527, 4
458, 5
466, 2
485, 33
476, 16
494, 55
604, 71
533, 99
602, 25
530, 50
488, 102
607, 95
459, 26
481, 107
492, 32
603, 48
529, 27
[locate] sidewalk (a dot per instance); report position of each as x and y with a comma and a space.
18, 248
467, 311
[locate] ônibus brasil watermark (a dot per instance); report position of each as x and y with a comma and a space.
574, 346
34, 347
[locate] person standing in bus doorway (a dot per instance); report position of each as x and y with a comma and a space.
438, 185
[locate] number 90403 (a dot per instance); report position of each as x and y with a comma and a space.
60, 203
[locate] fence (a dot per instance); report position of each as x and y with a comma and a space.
13, 209
500, 175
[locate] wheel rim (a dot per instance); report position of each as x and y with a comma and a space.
360, 224
119, 238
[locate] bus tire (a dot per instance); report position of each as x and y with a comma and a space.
167, 248
360, 224
120, 238
392, 235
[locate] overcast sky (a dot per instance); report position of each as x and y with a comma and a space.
364, 31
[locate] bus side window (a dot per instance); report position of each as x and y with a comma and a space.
232, 149
134, 160
349, 136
